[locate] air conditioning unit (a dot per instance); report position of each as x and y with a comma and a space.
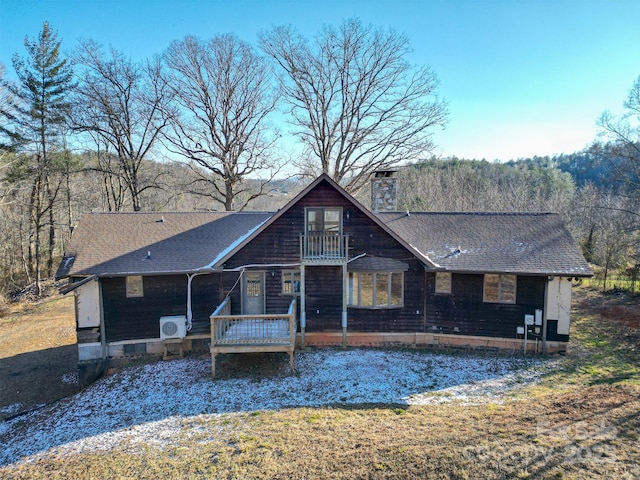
173, 327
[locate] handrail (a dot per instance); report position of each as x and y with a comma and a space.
323, 246
223, 308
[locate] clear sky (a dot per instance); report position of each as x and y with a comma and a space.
522, 77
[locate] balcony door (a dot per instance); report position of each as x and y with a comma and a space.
323, 230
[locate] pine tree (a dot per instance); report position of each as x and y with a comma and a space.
40, 109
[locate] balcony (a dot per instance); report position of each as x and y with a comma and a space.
324, 249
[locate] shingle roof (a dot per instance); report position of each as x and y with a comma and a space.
377, 264
532, 243
119, 243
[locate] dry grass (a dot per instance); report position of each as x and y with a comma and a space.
37, 347
29, 327
583, 421
589, 433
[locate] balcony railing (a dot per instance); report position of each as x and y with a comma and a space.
324, 248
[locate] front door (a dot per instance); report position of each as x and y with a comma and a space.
253, 293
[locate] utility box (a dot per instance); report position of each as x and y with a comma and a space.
538, 317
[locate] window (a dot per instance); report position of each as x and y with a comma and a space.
324, 220
499, 288
134, 286
376, 289
291, 282
253, 284
443, 282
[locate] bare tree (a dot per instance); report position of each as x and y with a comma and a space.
119, 103
357, 104
224, 92
622, 147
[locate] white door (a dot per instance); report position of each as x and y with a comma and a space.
559, 303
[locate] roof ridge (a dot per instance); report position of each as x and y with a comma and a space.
181, 213
524, 214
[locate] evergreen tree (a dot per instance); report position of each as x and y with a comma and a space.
40, 107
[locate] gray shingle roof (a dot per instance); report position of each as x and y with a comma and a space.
119, 243
532, 243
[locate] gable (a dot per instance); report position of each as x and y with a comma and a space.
283, 240
278, 240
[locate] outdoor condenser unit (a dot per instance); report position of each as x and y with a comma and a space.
173, 327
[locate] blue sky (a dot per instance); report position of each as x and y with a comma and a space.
522, 77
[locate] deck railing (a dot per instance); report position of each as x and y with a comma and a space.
252, 333
324, 246
222, 315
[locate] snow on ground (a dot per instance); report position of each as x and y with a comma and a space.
152, 402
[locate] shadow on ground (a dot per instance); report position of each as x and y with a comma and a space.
36, 378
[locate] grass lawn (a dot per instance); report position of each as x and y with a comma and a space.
580, 419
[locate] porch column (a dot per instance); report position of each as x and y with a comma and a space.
303, 312
344, 305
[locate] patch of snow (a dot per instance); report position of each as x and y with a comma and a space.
10, 409
71, 378
150, 404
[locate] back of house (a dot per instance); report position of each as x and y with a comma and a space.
485, 280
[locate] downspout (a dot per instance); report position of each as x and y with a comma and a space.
190, 277
103, 331
303, 312
189, 311
344, 305
544, 318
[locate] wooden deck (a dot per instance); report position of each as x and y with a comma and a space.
252, 333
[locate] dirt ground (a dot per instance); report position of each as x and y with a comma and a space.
617, 310
38, 354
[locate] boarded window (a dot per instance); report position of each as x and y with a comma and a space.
443, 282
135, 286
291, 282
500, 288
376, 289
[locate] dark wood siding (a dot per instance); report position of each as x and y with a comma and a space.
324, 299
279, 244
465, 309
135, 318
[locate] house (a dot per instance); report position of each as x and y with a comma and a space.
341, 273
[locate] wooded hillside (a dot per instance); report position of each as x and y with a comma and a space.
186, 131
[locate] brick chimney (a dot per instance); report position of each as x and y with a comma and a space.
384, 185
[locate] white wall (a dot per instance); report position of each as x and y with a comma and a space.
88, 304
558, 304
